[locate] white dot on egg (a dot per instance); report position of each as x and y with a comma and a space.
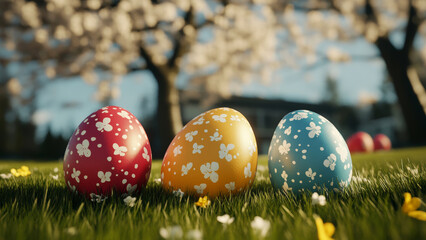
205, 130
304, 151
238, 154
112, 168
295, 136
109, 159
292, 180
300, 181
308, 145
133, 175
116, 124
202, 139
314, 187
124, 181
321, 149
298, 173
275, 170
300, 144
304, 156
139, 136
93, 139
168, 163
294, 162
296, 150
126, 173
99, 145
298, 130
97, 184
170, 183
320, 175
169, 169
119, 161
207, 122
78, 139
124, 136
84, 132
111, 115
130, 126
119, 129
68, 165
235, 156
116, 134
174, 163
67, 172
174, 173
77, 161
85, 177
136, 166
71, 152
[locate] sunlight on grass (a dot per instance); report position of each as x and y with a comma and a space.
40, 207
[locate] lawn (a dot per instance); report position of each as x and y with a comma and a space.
40, 207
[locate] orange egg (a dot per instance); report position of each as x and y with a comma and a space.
214, 154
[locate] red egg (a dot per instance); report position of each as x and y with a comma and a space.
360, 142
382, 142
108, 151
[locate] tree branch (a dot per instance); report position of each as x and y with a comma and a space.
179, 48
413, 23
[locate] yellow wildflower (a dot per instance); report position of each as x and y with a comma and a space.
410, 206
203, 202
23, 171
325, 230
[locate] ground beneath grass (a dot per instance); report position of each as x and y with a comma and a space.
40, 207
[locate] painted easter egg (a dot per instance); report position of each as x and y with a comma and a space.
214, 154
307, 153
382, 142
108, 151
360, 142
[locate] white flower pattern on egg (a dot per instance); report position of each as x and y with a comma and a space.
190, 136
284, 148
330, 162
209, 171
177, 150
200, 188
75, 174
299, 116
105, 177
230, 186
186, 168
104, 125
216, 137
313, 129
220, 118
288, 131
343, 152
284, 175
252, 147
145, 154
199, 121
124, 114
247, 171
83, 148
223, 152
196, 148
119, 150
310, 174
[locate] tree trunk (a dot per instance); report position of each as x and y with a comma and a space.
407, 89
168, 110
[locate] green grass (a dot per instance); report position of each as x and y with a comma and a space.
38, 207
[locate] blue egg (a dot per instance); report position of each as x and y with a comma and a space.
307, 153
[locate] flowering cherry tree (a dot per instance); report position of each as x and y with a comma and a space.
219, 41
